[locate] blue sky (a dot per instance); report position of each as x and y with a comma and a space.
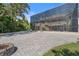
40, 7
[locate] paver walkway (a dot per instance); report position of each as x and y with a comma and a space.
37, 43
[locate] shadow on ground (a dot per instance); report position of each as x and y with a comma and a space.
15, 49
15, 33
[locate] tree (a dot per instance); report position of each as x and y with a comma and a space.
8, 16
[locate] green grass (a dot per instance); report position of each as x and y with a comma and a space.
71, 49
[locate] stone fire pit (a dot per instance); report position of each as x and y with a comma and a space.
6, 49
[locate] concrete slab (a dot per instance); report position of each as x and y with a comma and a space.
37, 43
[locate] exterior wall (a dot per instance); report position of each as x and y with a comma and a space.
78, 27
78, 17
74, 18
62, 18
78, 24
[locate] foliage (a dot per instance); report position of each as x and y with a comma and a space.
8, 17
71, 49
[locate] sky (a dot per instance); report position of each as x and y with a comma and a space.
36, 8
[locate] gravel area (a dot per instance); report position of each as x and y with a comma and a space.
37, 43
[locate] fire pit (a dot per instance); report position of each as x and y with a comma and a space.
6, 49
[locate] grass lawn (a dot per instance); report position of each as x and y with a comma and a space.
71, 49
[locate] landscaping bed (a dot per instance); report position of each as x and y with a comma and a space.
71, 49
6, 49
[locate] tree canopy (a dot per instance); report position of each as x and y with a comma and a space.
8, 17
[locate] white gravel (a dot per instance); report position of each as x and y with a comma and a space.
37, 43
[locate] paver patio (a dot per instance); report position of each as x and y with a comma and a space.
37, 43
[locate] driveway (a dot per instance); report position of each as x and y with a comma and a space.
37, 43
